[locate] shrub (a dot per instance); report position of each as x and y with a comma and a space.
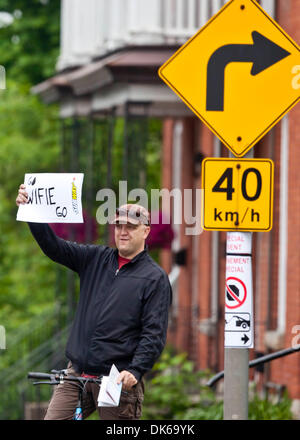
176, 391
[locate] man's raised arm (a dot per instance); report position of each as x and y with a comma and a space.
72, 255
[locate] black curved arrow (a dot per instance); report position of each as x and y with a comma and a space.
263, 53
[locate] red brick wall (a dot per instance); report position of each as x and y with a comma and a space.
205, 345
293, 281
166, 182
185, 280
287, 370
166, 179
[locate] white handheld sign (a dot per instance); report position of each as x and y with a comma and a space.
52, 198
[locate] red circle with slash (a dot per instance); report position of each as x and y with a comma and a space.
240, 300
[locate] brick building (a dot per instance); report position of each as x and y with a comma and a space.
197, 325
110, 53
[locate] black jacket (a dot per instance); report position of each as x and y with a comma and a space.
122, 316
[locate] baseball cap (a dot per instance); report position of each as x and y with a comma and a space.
132, 213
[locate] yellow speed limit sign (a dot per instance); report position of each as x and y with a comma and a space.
238, 194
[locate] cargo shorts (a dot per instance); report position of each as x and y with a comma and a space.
64, 400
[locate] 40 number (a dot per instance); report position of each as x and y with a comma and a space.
226, 179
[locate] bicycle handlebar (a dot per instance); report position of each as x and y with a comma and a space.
59, 377
33, 375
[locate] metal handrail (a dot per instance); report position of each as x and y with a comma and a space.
267, 358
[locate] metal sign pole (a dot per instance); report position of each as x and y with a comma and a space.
236, 384
238, 324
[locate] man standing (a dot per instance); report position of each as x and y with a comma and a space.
121, 317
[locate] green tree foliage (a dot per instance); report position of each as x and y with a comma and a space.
28, 143
176, 389
29, 46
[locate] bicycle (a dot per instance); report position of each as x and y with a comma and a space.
58, 377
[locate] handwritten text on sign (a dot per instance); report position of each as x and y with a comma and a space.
52, 198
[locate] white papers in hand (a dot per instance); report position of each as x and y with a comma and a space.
110, 391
